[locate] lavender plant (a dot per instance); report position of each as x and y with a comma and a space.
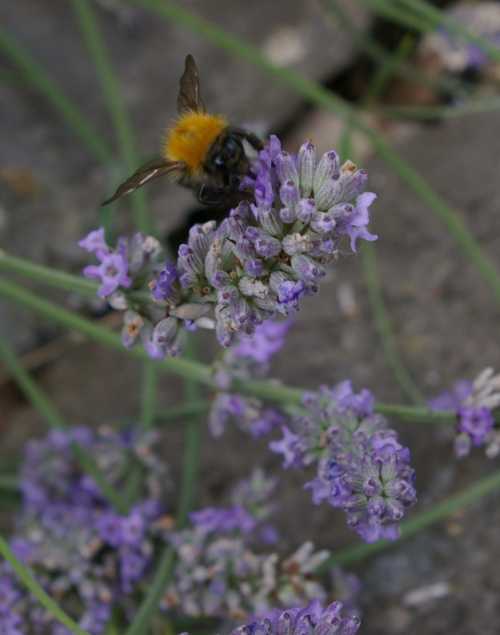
362, 467
310, 620
260, 262
270, 252
83, 552
473, 403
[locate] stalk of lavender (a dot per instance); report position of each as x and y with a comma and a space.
260, 262
473, 402
361, 466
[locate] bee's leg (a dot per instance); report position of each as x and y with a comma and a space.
252, 138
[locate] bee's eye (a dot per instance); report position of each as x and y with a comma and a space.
230, 153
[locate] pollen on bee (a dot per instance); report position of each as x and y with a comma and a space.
191, 136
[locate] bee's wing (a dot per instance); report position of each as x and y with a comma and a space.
189, 97
146, 173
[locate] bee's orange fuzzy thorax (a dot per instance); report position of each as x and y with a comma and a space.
191, 137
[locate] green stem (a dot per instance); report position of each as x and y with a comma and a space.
182, 411
272, 391
384, 327
487, 104
115, 103
409, 528
182, 367
149, 382
37, 76
55, 278
389, 9
49, 412
27, 578
39, 400
323, 97
9, 482
47, 275
155, 592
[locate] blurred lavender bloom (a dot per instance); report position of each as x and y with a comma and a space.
222, 576
223, 520
361, 466
473, 403
309, 620
453, 53
82, 551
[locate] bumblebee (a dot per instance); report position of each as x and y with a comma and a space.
201, 151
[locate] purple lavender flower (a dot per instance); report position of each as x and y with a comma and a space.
473, 403
361, 466
112, 270
163, 285
94, 241
310, 620
267, 340
262, 260
82, 551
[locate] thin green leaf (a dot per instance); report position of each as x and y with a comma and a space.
111, 91
390, 10
194, 370
26, 576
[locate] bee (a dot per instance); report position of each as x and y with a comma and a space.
201, 151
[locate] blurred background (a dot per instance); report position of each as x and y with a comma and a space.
433, 98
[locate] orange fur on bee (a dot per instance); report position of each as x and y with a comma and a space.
191, 137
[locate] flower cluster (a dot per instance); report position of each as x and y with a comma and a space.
361, 466
249, 357
473, 403
454, 53
263, 258
310, 620
82, 551
219, 574
224, 567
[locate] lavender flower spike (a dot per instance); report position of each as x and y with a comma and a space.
271, 252
310, 620
361, 466
473, 403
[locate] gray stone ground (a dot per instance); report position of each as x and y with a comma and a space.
444, 315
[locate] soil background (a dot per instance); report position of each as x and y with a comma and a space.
444, 315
